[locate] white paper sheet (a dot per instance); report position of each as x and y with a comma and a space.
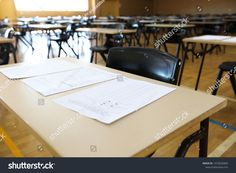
65, 81
115, 99
31, 70
211, 37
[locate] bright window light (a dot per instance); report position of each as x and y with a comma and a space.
51, 5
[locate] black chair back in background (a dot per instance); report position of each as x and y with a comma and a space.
146, 62
6, 49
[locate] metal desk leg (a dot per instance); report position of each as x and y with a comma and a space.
185, 49
200, 135
201, 66
204, 126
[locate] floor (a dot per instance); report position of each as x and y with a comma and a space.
222, 139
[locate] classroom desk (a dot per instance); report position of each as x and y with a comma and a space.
109, 31
168, 26
147, 21
104, 20
224, 41
46, 27
10, 42
134, 135
106, 23
6, 40
206, 23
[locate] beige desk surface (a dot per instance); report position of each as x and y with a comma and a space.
225, 42
134, 135
206, 23
168, 26
106, 23
6, 40
106, 30
147, 21
46, 26
104, 20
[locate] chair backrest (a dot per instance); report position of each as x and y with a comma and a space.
146, 62
7, 32
230, 28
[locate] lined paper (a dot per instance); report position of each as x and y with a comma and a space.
115, 99
31, 70
65, 81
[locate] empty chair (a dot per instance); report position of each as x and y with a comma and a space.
230, 28
111, 41
7, 48
146, 62
115, 40
230, 68
132, 38
62, 38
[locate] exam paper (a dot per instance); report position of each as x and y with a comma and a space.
65, 81
31, 70
115, 99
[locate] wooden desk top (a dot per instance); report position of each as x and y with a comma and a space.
168, 25
46, 26
147, 21
6, 40
212, 39
206, 23
106, 23
106, 30
134, 135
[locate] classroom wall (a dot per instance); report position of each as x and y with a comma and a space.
108, 8
191, 6
7, 9
136, 7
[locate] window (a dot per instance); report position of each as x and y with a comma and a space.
51, 5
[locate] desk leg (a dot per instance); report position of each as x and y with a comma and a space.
200, 135
183, 62
201, 66
204, 126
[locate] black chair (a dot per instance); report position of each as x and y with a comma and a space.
132, 39
146, 62
62, 38
230, 28
177, 39
7, 48
230, 68
115, 40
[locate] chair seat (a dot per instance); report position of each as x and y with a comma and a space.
227, 66
99, 49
